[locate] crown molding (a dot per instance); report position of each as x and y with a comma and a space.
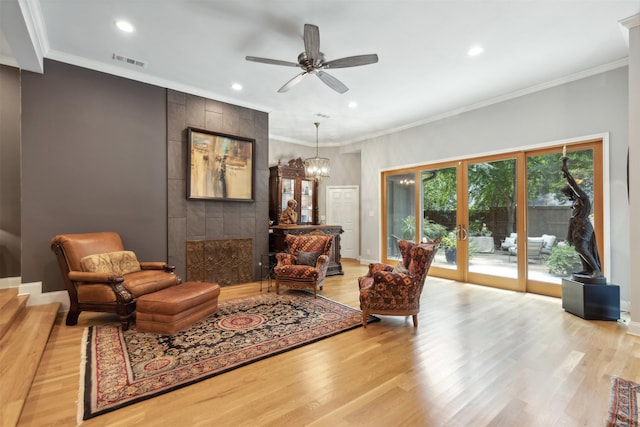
630, 22
131, 74
627, 24
498, 99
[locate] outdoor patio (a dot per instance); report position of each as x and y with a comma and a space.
499, 263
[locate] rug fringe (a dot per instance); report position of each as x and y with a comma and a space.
83, 360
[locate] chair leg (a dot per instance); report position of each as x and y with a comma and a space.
415, 320
365, 317
277, 286
124, 321
72, 317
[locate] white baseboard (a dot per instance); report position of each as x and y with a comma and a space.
634, 328
625, 305
10, 282
37, 297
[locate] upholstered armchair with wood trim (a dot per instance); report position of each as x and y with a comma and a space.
305, 263
396, 291
101, 276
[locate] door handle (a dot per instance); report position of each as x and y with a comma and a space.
462, 233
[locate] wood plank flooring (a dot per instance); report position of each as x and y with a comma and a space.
480, 357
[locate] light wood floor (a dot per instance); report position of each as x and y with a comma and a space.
480, 357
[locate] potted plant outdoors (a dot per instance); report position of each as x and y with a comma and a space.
432, 230
563, 260
449, 243
409, 228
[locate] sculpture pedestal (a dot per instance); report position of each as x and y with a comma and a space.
591, 302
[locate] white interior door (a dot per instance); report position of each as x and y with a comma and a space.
343, 208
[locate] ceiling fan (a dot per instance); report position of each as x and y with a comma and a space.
312, 61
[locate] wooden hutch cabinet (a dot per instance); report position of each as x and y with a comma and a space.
288, 182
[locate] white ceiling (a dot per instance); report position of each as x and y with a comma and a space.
423, 73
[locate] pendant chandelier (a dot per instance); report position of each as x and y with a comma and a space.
316, 167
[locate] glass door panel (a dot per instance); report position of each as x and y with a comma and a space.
288, 192
503, 219
400, 212
306, 202
491, 218
440, 213
549, 256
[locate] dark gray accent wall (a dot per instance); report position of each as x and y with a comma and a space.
94, 158
214, 220
9, 172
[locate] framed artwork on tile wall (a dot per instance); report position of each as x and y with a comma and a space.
221, 167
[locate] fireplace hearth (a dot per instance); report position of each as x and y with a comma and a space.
225, 262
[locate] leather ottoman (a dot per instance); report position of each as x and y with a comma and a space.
177, 307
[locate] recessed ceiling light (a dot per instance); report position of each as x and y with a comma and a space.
475, 51
353, 104
125, 26
236, 86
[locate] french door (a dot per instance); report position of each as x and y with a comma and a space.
502, 218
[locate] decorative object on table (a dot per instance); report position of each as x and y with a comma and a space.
317, 168
587, 293
121, 368
312, 61
101, 276
305, 263
623, 403
220, 166
396, 291
290, 215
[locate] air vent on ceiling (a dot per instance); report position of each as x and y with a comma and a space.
324, 116
130, 61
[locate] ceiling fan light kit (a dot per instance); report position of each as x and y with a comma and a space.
316, 167
312, 61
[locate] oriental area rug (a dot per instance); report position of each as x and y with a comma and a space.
120, 368
623, 403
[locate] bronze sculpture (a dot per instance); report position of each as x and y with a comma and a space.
581, 234
289, 215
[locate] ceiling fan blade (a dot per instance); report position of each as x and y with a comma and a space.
291, 83
332, 82
352, 61
312, 41
271, 61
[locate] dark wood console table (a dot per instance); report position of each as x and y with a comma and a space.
277, 243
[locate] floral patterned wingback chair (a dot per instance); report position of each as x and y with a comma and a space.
396, 291
305, 263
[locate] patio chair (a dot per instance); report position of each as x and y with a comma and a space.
509, 242
549, 240
534, 249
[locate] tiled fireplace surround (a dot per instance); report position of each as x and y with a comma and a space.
199, 220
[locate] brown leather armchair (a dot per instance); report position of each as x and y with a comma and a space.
396, 291
101, 276
305, 263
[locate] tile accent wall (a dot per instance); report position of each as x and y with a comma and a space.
206, 219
